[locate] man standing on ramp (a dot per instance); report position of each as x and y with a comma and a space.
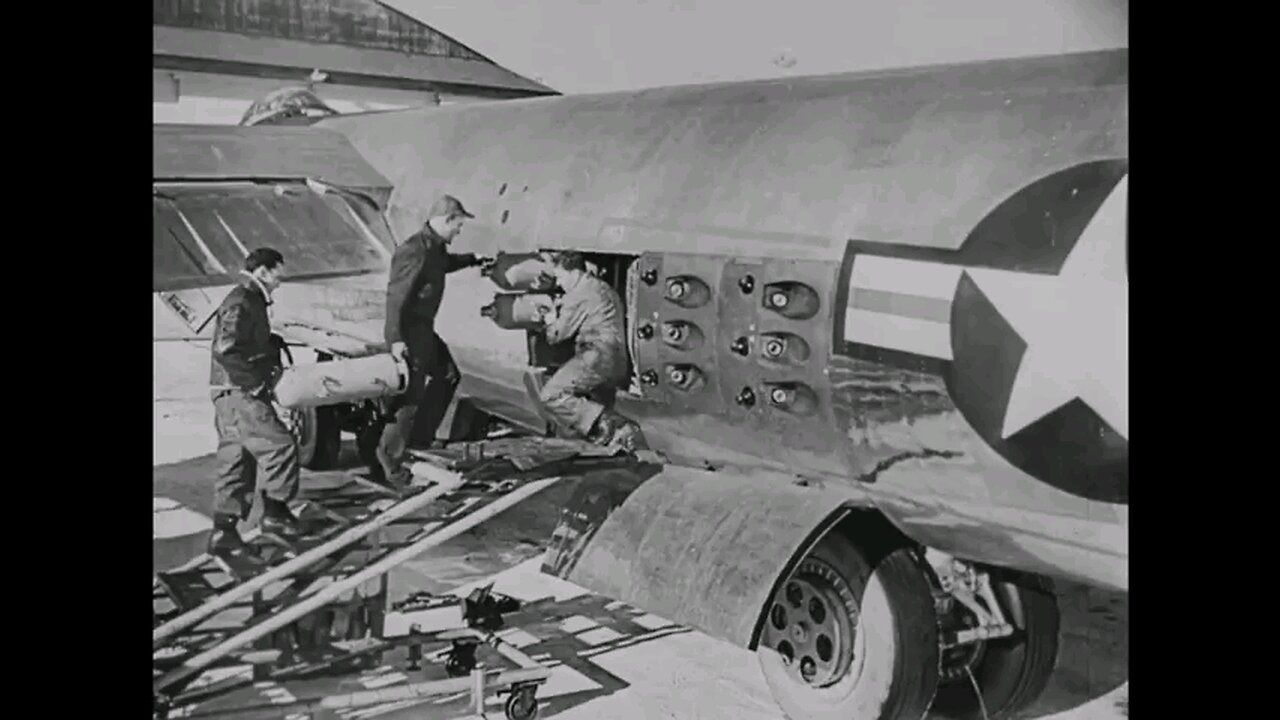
414, 290
252, 441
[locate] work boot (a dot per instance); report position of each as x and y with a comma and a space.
628, 438
603, 429
225, 538
277, 519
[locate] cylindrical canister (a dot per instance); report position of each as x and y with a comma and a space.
522, 272
342, 381
515, 311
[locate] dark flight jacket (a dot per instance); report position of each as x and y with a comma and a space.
416, 283
244, 355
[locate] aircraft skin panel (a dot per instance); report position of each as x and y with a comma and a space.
674, 546
963, 229
222, 152
819, 160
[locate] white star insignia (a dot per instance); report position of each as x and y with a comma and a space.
1075, 324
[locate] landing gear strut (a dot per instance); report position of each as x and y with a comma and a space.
1000, 641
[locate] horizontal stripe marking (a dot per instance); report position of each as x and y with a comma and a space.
912, 306
895, 332
905, 277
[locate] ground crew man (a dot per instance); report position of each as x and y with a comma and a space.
591, 314
414, 290
252, 441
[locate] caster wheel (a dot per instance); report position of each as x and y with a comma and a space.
462, 659
522, 705
460, 664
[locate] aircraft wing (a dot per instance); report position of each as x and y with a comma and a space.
220, 191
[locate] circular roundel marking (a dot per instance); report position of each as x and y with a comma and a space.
1039, 335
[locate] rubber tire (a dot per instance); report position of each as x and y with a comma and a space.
511, 708
320, 440
1015, 670
897, 619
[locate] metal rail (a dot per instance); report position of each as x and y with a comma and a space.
199, 662
351, 535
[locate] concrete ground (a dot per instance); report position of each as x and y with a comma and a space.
611, 661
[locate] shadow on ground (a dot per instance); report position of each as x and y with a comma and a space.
508, 539
572, 634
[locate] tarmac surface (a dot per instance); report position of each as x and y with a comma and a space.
611, 661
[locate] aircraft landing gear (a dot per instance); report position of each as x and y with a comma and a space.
889, 635
852, 634
1000, 638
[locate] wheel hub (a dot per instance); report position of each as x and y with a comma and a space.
811, 623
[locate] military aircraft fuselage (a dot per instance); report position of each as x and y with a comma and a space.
908, 285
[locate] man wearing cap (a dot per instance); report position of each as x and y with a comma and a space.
414, 290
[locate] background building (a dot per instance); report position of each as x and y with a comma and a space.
213, 58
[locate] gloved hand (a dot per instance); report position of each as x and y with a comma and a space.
262, 392
546, 281
281, 347
399, 349
548, 313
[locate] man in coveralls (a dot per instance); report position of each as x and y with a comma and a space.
251, 438
591, 313
414, 290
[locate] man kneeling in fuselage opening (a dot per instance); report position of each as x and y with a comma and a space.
591, 314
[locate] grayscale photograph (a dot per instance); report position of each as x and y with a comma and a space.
640, 359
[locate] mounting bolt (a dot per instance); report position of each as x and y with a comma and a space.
649, 276
779, 396
774, 348
675, 333
779, 299
747, 283
649, 377
678, 376
645, 331
746, 398
740, 346
676, 289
